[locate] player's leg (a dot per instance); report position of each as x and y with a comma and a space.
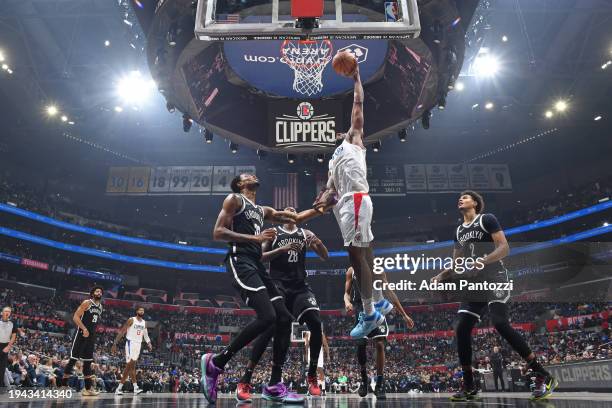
243, 389
468, 317
212, 365
380, 303
545, 382
88, 376
379, 391
312, 319
75, 354
362, 357
68, 370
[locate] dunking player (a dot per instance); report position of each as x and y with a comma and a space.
481, 236
320, 361
239, 223
86, 317
135, 330
287, 257
379, 335
348, 181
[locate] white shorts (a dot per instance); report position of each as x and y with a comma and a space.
132, 350
354, 215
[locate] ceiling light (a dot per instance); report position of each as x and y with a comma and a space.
320, 157
505, 38
598, 118
64, 118
561, 106
52, 110
459, 86
489, 105
107, 43
485, 65
548, 114
118, 109
233, 147
291, 158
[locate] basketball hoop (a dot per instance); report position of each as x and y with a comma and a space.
308, 59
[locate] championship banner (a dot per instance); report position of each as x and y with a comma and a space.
451, 178
437, 178
299, 123
416, 180
386, 180
175, 180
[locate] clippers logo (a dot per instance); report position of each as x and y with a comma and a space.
305, 129
360, 53
305, 110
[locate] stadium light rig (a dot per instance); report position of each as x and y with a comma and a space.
134, 89
320, 157
187, 122
485, 65
52, 110
376, 146
403, 135
233, 147
561, 106
291, 158
261, 154
208, 135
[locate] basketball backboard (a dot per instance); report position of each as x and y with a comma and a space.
227, 20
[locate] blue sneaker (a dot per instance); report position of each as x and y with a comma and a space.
366, 324
384, 307
280, 393
208, 380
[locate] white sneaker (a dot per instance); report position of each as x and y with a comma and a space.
118, 391
137, 390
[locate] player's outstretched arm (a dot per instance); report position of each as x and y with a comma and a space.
348, 285
356, 130
278, 217
396, 302
502, 249
447, 273
222, 230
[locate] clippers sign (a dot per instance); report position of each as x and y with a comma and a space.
303, 124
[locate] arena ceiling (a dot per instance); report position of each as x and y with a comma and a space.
56, 51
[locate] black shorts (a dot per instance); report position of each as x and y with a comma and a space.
298, 296
381, 331
250, 276
83, 347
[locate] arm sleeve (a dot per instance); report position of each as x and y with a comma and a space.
490, 223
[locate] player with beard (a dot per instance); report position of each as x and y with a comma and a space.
240, 224
135, 331
86, 318
353, 210
378, 335
287, 257
481, 237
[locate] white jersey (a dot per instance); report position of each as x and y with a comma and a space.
137, 331
348, 169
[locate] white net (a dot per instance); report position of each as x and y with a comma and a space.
308, 59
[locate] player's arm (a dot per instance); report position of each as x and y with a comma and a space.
348, 285
278, 217
357, 113
313, 242
222, 230
145, 335
78, 315
448, 272
502, 249
121, 333
268, 254
392, 296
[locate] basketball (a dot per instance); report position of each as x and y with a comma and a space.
344, 63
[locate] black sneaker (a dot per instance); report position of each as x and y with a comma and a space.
363, 389
379, 391
545, 384
466, 395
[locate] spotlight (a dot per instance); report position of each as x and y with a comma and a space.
171, 36
52, 110
261, 154
561, 106
118, 109
64, 118
233, 147
505, 38
485, 65
606, 65
442, 102
134, 89
5, 67
320, 157
208, 135
187, 122
107, 43
549, 114
426, 119
71, 122
459, 86
10, 71
605, 224
489, 105
403, 135
291, 158
376, 146
171, 108
598, 118
474, 106
1, 56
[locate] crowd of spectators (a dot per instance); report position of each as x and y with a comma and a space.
426, 364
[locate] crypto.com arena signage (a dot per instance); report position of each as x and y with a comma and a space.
295, 124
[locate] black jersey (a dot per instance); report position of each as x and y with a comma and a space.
92, 316
249, 221
475, 239
290, 266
